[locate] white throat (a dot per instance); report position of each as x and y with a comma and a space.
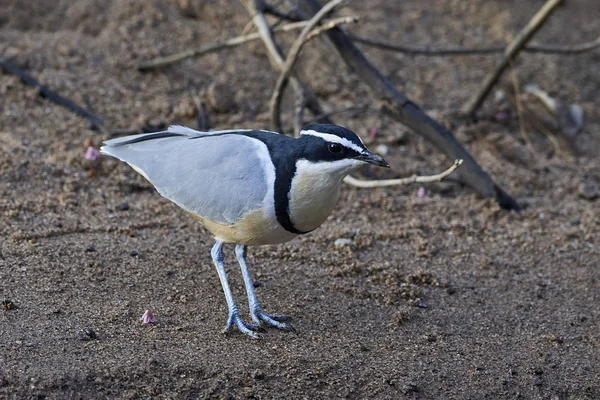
315, 191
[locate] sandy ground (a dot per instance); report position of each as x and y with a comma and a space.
439, 297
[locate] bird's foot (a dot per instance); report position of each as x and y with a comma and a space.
275, 320
246, 328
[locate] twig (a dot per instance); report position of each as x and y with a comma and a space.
524, 134
160, 62
466, 51
95, 121
402, 181
470, 108
564, 49
329, 25
408, 113
255, 8
299, 114
202, 120
359, 109
275, 103
122, 132
212, 47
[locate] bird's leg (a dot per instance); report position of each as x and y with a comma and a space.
256, 312
234, 315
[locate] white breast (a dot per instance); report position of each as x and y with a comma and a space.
315, 191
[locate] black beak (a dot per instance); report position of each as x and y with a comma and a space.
373, 159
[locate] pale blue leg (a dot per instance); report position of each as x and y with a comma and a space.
256, 312
234, 315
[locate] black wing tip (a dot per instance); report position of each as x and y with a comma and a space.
140, 138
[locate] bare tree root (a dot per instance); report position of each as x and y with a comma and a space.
95, 121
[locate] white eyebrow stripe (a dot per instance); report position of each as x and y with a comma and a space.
334, 139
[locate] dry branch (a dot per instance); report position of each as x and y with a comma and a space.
160, 62
329, 25
95, 121
405, 111
286, 70
402, 181
357, 108
299, 107
509, 54
466, 51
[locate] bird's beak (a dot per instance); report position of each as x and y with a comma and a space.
371, 158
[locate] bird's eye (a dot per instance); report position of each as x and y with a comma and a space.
335, 148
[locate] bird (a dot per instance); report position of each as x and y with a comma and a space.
248, 188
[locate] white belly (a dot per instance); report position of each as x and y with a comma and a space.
315, 191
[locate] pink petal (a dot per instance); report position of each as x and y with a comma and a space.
422, 193
373, 132
91, 154
502, 116
148, 318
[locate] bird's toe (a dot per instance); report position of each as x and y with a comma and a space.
275, 320
246, 328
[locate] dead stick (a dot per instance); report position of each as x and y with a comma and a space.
512, 50
299, 114
402, 181
329, 25
160, 62
95, 121
275, 103
202, 121
358, 108
213, 47
466, 51
255, 8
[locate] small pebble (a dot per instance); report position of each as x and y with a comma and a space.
7, 304
87, 334
409, 388
382, 150
341, 242
133, 253
258, 375
122, 206
588, 190
90, 249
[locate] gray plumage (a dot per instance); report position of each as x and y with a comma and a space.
214, 176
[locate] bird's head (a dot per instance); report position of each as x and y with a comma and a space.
336, 149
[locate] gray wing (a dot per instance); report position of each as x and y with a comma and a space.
220, 177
